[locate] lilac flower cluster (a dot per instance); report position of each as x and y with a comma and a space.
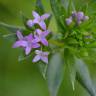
38, 20
36, 40
77, 17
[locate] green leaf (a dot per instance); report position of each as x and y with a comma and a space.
91, 45
71, 6
24, 19
58, 11
71, 41
83, 77
42, 68
70, 64
22, 57
10, 28
55, 73
10, 37
72, 76
39, 7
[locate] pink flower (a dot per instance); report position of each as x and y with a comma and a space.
26, 42
40, 19
41, 36
41, 56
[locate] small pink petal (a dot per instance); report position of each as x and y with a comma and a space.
42, 25
44, 41
45, 33
29, 37
20, 44
44, 59
35, 45
19, 35
35, 14
27, 50
36, 21
36, 58
46, 53
38, 31
45, 16
36, 39
38, 52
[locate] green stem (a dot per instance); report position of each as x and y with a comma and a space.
54, 42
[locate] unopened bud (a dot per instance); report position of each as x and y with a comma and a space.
80, 15
86, 18
68, 21
30, 23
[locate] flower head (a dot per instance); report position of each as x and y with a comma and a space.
77, 17
41, 56
41, 36
40, 19
26, 42
80, 16
68, 20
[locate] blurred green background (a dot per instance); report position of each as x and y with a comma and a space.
23, 78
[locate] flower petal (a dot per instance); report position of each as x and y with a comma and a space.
42, 25
19, 35
28, 50
29, 37
44, 41
35, 21
38, 31
46, 53
38, 52
30, 23
44, 59
45, 16
36, 58
36, 39
35, 14
45, 33
35, 45
20, 44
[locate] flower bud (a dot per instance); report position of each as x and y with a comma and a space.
74, 14
86, 18
68, 21
30, 23
79, 22
80, 16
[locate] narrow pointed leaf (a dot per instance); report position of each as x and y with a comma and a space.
83, 77
55, 73
69, 61
10, 28
57, 13
43, 69
39, 7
